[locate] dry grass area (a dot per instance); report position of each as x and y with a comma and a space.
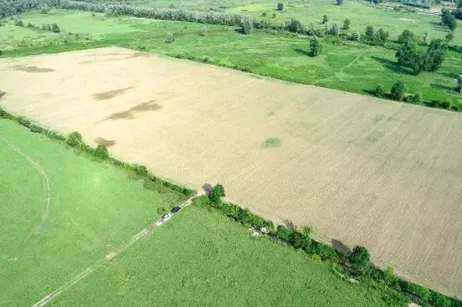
363, 171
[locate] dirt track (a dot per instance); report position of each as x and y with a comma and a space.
362, 171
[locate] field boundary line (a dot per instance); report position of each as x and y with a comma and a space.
108, 257
46, 187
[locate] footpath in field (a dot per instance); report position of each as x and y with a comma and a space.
202, 259
362, 171
110, 256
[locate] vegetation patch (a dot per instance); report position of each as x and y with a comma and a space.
271, 143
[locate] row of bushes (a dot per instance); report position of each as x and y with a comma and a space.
74, 140
356, 263
53, 27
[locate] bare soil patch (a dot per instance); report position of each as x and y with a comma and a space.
32, 69
131, 112
362, 171
110, 94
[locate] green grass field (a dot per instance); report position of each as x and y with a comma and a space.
94, 207
360, 13
200, 258
343, 65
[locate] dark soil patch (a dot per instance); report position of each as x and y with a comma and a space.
111, 94
130, 113
32, 69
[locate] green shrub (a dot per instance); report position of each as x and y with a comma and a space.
217, 193
24, 122
3, 113
280, 6
170, 38
87, 148
406, 37
324, 251
140, 170
74, 139
101, 151
284, 233
36, 129
380, 91
440, 300
315, 47
346, 24
398, 90
359, 258
55, 135
419, 291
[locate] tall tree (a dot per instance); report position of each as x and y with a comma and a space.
359, 258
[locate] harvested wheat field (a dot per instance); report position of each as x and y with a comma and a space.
362, 171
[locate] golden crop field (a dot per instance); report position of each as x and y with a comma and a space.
362, 171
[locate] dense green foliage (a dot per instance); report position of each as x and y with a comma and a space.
217, 193
315, 47
359, 258
406, 37
280, 6
279, 56
448, 19
398, 90
408, 55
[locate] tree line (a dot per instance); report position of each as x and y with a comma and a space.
355, 263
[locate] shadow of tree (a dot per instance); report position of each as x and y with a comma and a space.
290, 225
438, 26
207, 188
442, 87
340, 247
393, 66
239, 30
301, 51
449, 75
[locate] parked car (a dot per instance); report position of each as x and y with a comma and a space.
175, 209
165, 217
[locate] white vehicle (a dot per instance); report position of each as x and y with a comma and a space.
165, 217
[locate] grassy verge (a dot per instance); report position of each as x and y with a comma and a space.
93, 208
200, 259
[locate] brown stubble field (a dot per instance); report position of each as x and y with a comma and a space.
362, 171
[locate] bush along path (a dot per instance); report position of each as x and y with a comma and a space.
354, 266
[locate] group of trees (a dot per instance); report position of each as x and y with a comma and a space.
375, 38
399, 92
10, 8
448, 19
409, 55
356, 262
359, 258
52, 27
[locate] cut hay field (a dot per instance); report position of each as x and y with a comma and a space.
362, 171
61, 213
